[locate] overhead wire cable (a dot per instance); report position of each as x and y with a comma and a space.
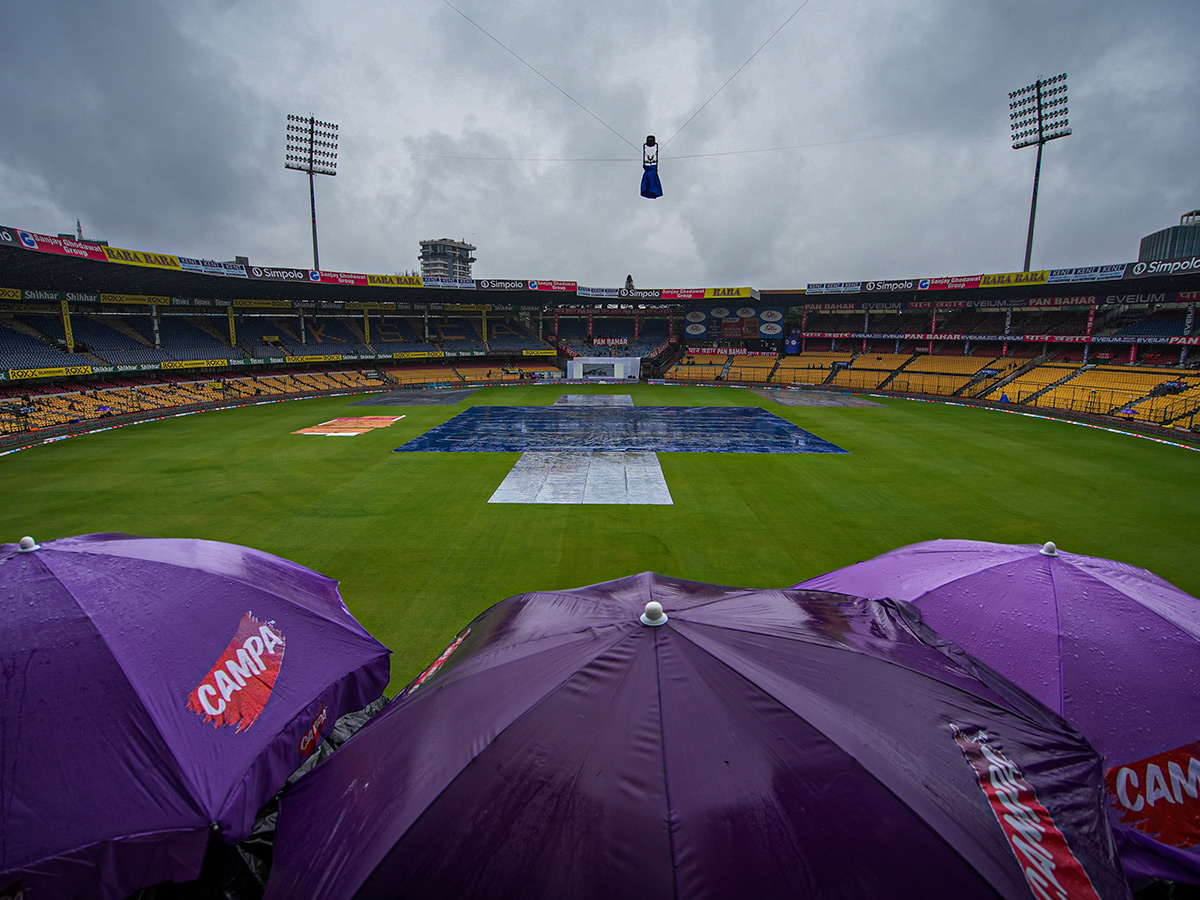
735, 74
541, 75
622, 159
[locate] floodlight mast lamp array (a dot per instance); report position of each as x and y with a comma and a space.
1037, 114
312, 148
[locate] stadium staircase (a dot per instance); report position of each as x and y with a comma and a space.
900, 368
833, 369
1187, 408
725, 368
116, 323
17, 325
1188, 405
1010, 377
51, 342
1074, 373
203, 324
285, 328
978, 378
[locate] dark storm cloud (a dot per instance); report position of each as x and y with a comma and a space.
130, 126
162, 124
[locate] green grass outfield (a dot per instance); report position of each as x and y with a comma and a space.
419, 551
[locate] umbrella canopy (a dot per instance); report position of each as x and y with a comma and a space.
153, 690
1111, 647
651, 738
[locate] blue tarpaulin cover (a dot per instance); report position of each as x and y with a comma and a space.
697, 429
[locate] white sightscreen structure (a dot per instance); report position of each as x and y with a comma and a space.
604, 368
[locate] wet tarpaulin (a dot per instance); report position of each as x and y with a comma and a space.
698, 429
589, 476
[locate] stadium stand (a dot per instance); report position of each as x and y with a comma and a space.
810, 367
43, 410
757, 369
511, 339
114, 341
421, 374
27, 346
479, 371
188, 338
397, 334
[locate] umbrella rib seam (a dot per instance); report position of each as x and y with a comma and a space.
92, 551
666, 775
875, 778
194, 793
475, 759
1062, 686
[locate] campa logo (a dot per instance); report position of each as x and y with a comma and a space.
1160, 795
312, 737
239, 684
1051, 869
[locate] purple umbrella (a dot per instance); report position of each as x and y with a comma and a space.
743, 743
1112, 648
153, 691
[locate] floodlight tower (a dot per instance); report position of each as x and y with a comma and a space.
312, 148
1037, 114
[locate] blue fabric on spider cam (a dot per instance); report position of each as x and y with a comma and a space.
651, 186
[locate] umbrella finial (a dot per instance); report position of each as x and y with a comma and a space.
654, 614
1049, 549
28, 545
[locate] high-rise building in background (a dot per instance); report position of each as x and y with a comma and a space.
446, 258
1174, 242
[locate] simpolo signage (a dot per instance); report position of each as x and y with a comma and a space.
268, 273
501, 284
1163, 267
883, 287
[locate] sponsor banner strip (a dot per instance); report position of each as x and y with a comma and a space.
1051, 869
194, 363
141, 258
22, 374
727, 293
1160, 795
351, 278
395, 280
1015, 279
212, 267
31, 240
135, 299
262, 304
552, 286
502, 284
439, 281
1162, 267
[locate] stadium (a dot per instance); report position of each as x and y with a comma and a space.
144, 398
601, 590
138, 338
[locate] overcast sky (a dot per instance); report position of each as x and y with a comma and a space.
160, 125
